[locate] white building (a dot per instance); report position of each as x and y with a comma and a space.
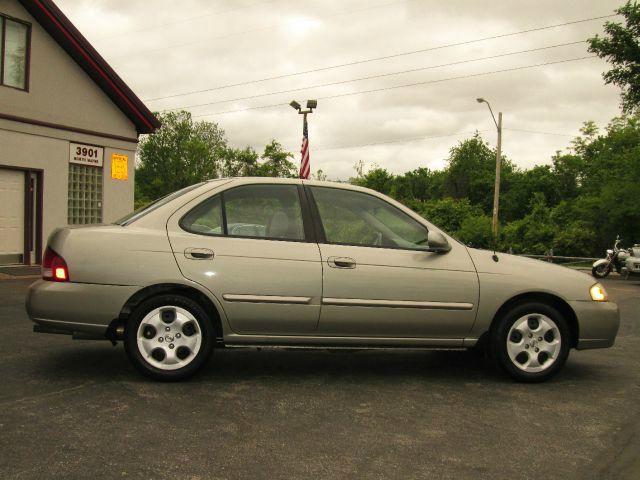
69, 128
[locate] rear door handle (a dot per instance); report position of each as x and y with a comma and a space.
198, 253
341, 262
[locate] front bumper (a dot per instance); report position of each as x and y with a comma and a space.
598, 323
76, 307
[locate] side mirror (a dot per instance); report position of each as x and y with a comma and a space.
437, 243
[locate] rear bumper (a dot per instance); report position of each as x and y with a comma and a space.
598, 323
76, 307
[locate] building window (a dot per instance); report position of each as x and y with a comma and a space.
14, 61
85, 194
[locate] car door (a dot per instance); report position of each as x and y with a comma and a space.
247, 245
378, 279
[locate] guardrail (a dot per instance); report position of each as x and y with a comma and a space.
561, 259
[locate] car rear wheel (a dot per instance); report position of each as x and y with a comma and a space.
531, 342
169, 337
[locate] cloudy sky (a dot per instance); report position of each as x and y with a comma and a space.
399, 121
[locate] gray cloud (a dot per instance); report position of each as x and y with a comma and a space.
165, 49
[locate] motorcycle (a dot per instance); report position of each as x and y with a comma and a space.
616, 258
632, 263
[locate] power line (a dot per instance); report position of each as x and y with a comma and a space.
538, 132
341, 82
418, 139
269, 27
524, 67
385, 57
432, 137
404, 140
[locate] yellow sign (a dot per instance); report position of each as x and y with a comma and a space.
119, 167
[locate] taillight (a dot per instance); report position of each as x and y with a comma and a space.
54, 267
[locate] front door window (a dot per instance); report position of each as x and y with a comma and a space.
355, 218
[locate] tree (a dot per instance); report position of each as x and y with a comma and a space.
476, 231
320, 175
448, 213
378, 179
239, 162
520, 186
471, 172
420, 184
276, 162
181, 152
610, 188
621, 48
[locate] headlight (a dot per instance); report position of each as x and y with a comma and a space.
598, 293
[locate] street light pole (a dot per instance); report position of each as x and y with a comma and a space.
496, 188
305, 167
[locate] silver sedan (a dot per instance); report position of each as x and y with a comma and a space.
262, 261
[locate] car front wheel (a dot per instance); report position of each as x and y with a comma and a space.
169, 337
531, 342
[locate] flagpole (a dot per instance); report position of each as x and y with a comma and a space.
305, 135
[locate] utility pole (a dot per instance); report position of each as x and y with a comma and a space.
496, 188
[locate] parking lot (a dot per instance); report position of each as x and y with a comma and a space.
77, 409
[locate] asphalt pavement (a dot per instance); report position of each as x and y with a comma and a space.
77, 409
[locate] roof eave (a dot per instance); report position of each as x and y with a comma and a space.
51, 18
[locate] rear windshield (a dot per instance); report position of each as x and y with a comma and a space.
150, 207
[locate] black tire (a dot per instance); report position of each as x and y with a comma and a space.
601, 271
178, 305
527, 312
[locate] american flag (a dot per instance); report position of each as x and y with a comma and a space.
305, 166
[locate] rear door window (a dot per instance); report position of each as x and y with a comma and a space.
264, 211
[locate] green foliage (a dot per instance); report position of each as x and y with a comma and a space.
519, 186
575, 206
448, 213
475, 231
180, 153
239, 162
183, 152
621, 47
420, 184
276, 162
378, 179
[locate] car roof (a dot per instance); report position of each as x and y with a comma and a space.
295, 181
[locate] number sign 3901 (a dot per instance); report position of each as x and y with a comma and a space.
86, 154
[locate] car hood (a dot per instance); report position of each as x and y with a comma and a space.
527, 275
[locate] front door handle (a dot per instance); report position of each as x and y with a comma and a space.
198, 253
341, 262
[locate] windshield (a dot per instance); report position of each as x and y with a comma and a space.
142, 211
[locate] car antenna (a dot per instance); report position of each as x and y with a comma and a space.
494, 256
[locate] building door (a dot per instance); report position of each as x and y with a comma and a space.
12, 194
20, 216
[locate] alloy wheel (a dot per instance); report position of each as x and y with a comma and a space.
534, 343
169, 337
